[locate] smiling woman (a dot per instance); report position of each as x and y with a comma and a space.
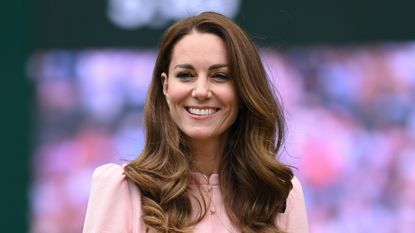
201, 96
213, 130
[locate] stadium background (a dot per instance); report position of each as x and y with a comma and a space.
75, 81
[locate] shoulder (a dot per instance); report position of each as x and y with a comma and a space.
114, 201
110, 182
297, 191
295, 217
110, 179
111, 172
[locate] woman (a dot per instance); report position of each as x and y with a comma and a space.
213, 129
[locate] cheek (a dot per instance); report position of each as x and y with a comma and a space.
176, 94
229, 97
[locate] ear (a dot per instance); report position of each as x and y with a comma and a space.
164, 81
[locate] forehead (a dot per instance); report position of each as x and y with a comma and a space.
199, 48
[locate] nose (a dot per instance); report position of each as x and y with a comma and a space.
201, 89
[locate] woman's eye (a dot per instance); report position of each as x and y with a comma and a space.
184, 75
221, 77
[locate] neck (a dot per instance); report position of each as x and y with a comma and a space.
206, 155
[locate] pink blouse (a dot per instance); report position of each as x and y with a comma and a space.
114, 205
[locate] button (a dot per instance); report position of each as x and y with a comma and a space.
209, 189
212, 210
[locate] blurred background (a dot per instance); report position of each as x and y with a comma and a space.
77, 74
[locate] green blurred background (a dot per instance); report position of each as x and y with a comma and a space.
77, 24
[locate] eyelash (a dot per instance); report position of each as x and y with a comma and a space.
219, 76
184, 75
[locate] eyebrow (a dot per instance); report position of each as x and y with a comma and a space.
189, 66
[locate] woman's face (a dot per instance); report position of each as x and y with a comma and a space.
199, 91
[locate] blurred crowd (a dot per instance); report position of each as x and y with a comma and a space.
350, 114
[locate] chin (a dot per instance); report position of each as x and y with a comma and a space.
200, 137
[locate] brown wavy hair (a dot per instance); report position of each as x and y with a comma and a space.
253, 184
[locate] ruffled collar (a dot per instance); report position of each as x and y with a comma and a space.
202, 179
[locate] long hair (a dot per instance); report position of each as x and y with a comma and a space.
253, 184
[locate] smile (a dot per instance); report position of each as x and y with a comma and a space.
202, 111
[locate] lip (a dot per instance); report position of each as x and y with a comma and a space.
186, 108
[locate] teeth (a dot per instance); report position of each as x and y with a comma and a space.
202, 112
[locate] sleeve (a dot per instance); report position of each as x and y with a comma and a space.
294, 220
114, 202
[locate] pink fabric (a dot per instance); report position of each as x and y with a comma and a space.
114, 205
